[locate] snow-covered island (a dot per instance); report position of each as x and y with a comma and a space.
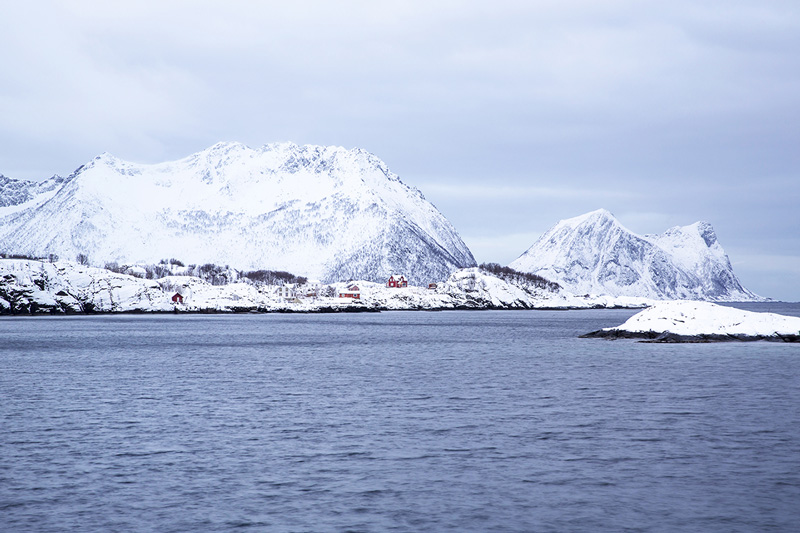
29, 286
694, 321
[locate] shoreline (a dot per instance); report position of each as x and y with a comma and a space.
355, 309
321, 310
667, 337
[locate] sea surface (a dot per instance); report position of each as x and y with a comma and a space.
396, 421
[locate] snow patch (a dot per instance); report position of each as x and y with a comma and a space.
693, 321
706, 318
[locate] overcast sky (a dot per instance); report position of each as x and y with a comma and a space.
507, 115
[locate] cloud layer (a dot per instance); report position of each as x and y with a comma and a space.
521, 112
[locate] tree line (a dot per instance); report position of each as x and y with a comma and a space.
509, 274
210, 272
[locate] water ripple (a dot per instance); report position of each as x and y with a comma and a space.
485, 422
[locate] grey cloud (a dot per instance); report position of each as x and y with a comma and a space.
674, 111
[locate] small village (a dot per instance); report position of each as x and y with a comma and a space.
313, 291
30, 286
293, 294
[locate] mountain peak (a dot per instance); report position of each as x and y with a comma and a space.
700, 234
105, 157
598, 217
323, 212
227, 146
593, 253
600, 214
706, 231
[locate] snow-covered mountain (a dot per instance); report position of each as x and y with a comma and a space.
322, 212
595, 254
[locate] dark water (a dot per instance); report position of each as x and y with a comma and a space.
402, 421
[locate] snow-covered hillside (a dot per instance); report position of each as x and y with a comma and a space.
323, 212
595, 254
34, 287
64, 287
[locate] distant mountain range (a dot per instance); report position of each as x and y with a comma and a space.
330, 214
323, 212
595, 254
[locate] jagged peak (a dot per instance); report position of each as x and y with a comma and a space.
227, 146
601, 213
306, 154
105, 157
702, 229
230, 150
594, 253
229, 165
592, 217
599, 220
6, 181
706, 231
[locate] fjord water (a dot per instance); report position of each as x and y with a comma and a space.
398, 421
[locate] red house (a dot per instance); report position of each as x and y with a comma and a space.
351, 292
396, 281
177, 298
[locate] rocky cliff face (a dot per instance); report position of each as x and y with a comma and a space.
594, 253
322, 212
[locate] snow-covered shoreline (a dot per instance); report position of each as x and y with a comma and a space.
33, 287
694, 321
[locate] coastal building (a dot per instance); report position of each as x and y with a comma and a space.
285, 292
397, 281
351, 292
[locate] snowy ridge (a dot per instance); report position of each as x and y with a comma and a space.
323, 212
595, 254
16, 195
